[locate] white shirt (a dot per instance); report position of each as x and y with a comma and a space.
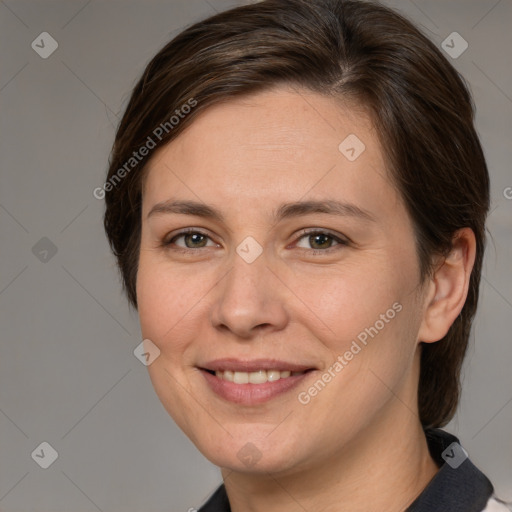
495, 506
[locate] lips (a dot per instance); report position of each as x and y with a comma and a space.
252, 382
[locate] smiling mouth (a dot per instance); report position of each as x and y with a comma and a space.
257, 386
252, 382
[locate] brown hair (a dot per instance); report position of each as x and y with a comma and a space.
348, 49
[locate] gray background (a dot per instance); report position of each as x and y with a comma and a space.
68, 375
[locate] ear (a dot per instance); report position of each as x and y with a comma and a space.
448, 288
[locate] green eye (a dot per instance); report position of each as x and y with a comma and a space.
192, 239
316, 242
320, 241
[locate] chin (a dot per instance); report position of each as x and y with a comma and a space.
244, 455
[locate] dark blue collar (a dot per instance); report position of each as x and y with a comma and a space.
458, 486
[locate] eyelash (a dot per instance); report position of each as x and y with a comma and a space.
340, 241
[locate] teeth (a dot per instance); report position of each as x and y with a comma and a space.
259, 377
241, 378
273, 375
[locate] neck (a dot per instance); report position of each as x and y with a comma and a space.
384, 468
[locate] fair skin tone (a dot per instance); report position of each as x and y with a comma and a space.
304, 300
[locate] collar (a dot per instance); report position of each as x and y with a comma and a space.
458, 486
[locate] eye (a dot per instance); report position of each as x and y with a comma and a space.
313, 241
320, 241
192, 239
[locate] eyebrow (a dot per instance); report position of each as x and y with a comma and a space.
285, 211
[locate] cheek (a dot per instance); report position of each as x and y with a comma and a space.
349, 299
167, 297
153, 301
365, 314
165, 305
374, 357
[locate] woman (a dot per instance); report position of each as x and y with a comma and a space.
297, 200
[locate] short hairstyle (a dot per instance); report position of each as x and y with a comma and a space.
351, 50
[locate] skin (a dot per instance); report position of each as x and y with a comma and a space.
358, 444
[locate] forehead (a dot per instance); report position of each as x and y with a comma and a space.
273, 146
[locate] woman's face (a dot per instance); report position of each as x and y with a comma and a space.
266, 280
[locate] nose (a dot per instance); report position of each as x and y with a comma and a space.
249, 300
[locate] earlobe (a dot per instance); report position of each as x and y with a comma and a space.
448, 288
